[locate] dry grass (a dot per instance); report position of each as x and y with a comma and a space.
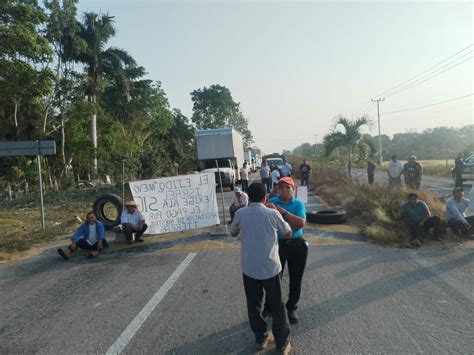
20, 219
374, 209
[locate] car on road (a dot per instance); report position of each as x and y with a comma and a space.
468, 172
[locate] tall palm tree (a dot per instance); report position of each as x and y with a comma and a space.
351, 138
96, 30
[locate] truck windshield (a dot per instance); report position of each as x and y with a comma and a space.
223, 163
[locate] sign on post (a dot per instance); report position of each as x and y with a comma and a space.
23, 148
177, 203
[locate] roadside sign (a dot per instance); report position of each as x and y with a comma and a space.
23, 148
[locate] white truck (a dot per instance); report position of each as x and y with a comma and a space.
221, 149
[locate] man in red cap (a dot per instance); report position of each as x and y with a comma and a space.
295, 249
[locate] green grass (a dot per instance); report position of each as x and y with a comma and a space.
20, 219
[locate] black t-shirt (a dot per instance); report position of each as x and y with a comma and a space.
305, 169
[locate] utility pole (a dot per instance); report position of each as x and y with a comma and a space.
380, 137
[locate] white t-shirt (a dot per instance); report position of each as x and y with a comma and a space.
243, 200
395, 168
275, 175
244, 173
135, 219
92, 235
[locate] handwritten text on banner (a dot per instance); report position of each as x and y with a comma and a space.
177, 203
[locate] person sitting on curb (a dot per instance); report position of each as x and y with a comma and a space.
419, 219
241, 199
89, 236
132, 221
455, 208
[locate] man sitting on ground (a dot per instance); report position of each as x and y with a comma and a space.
89, 236
240, 200
455, 213
419, 219
132, 221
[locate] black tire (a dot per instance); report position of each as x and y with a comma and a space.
99, 209
326, 216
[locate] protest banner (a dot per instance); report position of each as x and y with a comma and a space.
177, 203
302, 193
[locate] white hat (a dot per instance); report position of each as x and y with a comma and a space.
131, 203
237, 189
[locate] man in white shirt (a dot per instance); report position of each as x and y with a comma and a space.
244, 177
259, 227
395, 172
265, 175
132, 221
286, 169
455, 208
240, 200
275, 176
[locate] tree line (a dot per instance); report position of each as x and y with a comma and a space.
61, 81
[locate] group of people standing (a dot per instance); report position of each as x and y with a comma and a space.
412, 172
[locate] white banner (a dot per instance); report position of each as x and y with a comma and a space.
302, 193
178, 203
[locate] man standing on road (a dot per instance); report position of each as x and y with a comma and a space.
305, 171
275, 176
293, 250
89, 236
370, 171
259, 228
265, 175
286, 169
244, 177
413, 172
458, 170
132, 221
394, 171
240, 200
455, 213
419, 219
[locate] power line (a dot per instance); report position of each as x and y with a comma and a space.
433, 104
417, 82
423, 72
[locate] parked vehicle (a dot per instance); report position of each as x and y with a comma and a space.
220, 150
468, 172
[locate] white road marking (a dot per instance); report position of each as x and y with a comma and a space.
124, 338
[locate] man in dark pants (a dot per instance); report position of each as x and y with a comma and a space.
89, 236
419, 219
259, 227
458, 170
370, 171
132, 222
293, 250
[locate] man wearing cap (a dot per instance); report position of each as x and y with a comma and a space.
132, 221
89, 236
455, 213
293, 250
395, 172
412, 171
240, 200
259, 228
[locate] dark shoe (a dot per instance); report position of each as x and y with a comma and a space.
265, 342
139, 239
292, 317
285, 350
64, 253
129, 239
266, 314
416, 243
92, 254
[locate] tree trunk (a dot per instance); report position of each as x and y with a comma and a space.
63, 143
349, 165
15, 118
93, 136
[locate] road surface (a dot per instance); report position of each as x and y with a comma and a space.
184, 295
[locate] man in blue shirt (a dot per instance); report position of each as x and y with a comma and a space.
419, 219
455, 216
89, 236
293, 250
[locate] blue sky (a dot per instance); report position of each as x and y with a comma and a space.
294, 66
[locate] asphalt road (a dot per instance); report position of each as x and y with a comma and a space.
186, 296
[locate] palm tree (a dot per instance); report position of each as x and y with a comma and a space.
351, 138
100, 63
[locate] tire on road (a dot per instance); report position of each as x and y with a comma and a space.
326, 216
102, 203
